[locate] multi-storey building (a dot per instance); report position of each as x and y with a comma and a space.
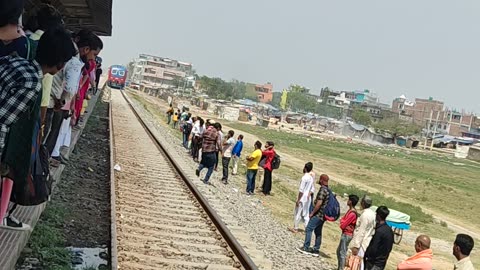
264, 92
155, 71
432, 115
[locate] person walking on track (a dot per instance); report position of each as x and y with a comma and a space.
211, 141
236, 152
269, 155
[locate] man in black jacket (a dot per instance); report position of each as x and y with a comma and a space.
376, 255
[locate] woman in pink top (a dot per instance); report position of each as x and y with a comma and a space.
269, 154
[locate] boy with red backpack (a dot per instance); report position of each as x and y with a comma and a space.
347, 224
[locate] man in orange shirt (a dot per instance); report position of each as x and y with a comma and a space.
423, 259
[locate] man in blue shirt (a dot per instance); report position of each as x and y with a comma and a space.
236, 152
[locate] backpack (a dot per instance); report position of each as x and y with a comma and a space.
276, 162
332, 209
187, 128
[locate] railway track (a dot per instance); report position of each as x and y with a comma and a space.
161, 221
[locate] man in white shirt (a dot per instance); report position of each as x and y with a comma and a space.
227, 146
462, 247
304, 198
364, 230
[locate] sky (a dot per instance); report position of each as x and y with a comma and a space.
427, 48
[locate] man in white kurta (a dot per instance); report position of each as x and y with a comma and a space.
304, 198
364, 229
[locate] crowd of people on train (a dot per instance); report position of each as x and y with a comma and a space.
47, 74
366, 239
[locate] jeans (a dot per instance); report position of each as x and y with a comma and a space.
315, 224
251, 174
225, 163
185, 140
209, 159
370, 266
342, 250
175, 124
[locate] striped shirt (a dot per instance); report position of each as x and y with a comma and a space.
20, 84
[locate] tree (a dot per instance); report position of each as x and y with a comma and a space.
220, 89
397, 127
362, 117
276, 99
300, 101
295, 88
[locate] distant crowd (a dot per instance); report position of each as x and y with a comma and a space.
366, 239
208, 144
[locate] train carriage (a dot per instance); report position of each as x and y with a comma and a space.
117, 76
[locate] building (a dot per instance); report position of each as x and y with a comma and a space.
161, 72
358, 99
434, 117
263, 92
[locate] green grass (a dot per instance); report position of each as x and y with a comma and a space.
47, 240
426, 178
415, 212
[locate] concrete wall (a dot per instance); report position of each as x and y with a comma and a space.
474, 153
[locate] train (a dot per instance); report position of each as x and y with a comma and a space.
117, 76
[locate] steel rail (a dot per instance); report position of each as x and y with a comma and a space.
232, 242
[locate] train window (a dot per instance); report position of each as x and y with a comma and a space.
121, 73
114, 71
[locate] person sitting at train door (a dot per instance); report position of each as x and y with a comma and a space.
211, 141
462, 247
378, 251
422, 260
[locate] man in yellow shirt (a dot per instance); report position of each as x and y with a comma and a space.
252, 167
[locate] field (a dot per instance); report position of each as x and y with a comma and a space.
436, 190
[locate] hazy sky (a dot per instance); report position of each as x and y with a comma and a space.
427, 48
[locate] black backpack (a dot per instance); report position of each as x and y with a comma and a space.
276, 162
